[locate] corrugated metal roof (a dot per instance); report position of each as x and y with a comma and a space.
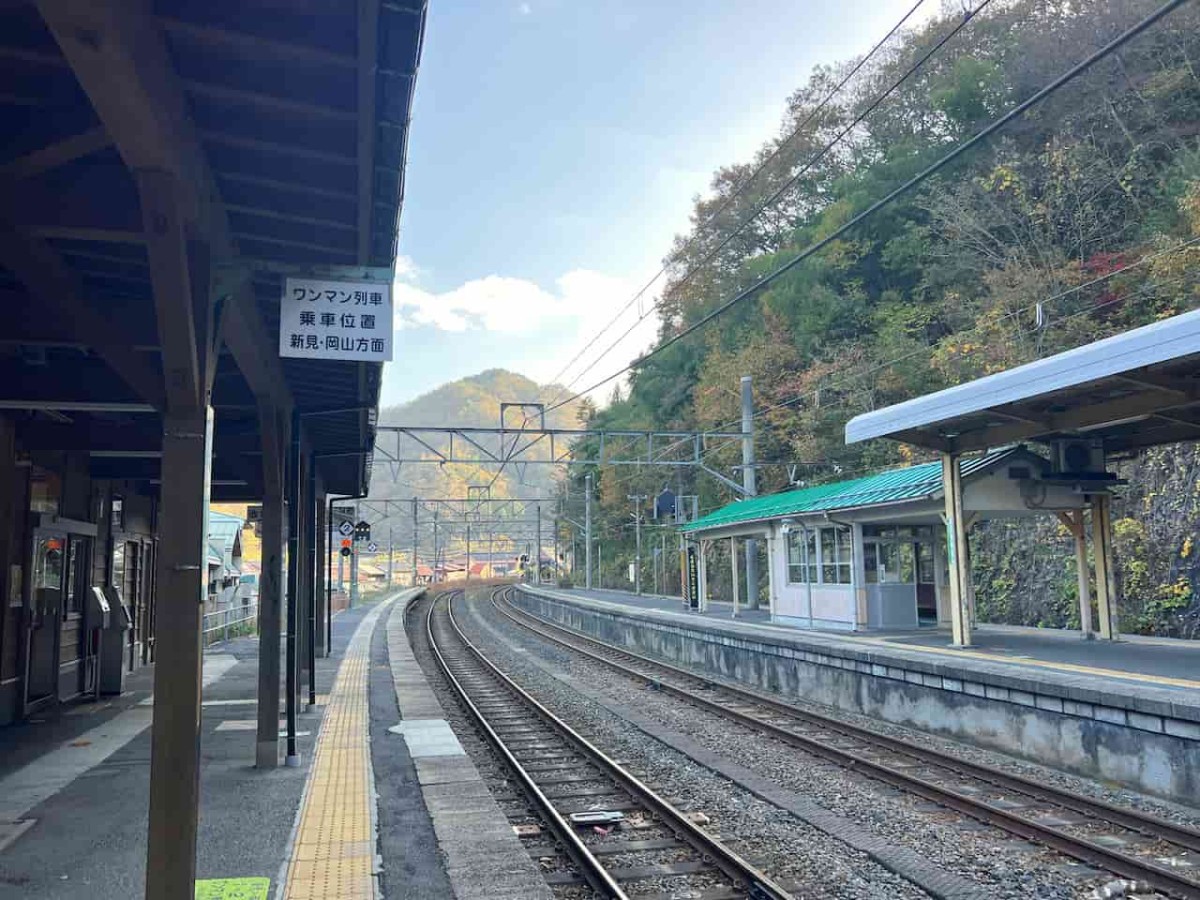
1159, 342
893, 486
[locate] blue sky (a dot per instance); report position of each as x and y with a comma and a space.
555, 149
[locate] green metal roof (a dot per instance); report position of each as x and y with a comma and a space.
893, 486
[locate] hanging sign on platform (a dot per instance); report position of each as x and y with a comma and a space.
321, 319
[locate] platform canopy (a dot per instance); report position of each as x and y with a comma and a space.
1136, 389
277, 131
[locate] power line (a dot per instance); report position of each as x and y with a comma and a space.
792, 181
870, 370
900, 191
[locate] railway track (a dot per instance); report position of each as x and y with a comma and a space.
1122, 841
621, 839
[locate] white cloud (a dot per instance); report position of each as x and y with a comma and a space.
564, 319
524, 9
507, 304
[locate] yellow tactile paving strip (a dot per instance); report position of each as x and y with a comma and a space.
333, 855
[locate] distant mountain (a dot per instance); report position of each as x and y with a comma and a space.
469, 402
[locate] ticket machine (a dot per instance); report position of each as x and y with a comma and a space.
115, 623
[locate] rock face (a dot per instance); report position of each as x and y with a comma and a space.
1025, 570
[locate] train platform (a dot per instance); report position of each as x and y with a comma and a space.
1126, 711
74, 786
1158, 662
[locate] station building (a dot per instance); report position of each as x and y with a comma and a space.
166, 169
891, 550
870, 552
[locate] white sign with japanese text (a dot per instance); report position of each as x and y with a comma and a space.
336, 320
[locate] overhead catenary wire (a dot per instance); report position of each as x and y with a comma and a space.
775, 196
863, 372
909, 185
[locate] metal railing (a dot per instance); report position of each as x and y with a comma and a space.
233, 621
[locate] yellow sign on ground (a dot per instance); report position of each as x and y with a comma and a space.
233, 889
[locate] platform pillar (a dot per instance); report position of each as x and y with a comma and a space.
957, 550
771, 543
734, 566
272, 423
1102, 547
182, 583
1073, 520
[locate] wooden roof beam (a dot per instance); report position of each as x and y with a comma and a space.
121, 61
52, 156
253, 45
368, 51
43, 272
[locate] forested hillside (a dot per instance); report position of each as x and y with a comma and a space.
475, 402
1005, 256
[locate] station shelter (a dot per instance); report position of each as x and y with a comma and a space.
165, 169
1086, 407
870, 552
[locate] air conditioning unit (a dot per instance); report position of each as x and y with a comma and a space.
1078, 456
1079, 460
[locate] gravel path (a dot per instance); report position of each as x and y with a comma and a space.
1002, 866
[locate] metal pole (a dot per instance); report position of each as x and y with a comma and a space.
750, 483
587, 531
311, 577
416, 540
537, 550
468, 551
329, 581
341, 572
391, 548
354, 563
436, 509
491, 558
556, 575
637, 532
293, 586
599, 564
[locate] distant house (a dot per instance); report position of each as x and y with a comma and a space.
224, 560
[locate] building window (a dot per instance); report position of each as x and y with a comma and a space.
802, 556
836, 556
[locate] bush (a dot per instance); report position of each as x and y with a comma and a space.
566, 583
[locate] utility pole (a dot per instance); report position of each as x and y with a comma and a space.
468, 551
587, 531
555, 576
416, 574
491, 557
537, 550
391, 548
599, 564
749, 482
637, 499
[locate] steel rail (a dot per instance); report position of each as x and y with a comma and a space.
591, 868
758, 884
1080, 848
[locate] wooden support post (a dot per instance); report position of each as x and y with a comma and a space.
181, 579
957, 550
270, 594
734, 566
1102, 547
1073, 521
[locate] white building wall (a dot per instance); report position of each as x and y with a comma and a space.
832, 606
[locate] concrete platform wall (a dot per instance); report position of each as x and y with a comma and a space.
1150, 745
